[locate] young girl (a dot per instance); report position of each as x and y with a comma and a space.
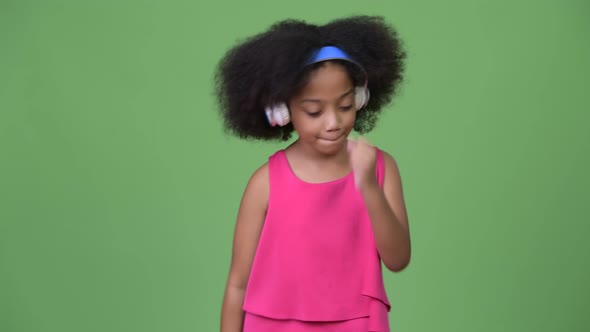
318, 219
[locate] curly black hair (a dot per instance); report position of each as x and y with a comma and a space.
269, 68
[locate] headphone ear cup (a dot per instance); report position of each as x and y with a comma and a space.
281, 114
277, 114
361, 97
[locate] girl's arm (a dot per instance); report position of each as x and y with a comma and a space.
389, 217
249, 224
386, 206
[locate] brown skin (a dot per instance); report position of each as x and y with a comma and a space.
323, 116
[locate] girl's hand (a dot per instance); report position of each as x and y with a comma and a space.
363, 158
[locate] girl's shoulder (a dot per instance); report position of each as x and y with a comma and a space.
386, 166
388, 159
257, 191
260, 176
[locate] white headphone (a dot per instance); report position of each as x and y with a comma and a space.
278, 114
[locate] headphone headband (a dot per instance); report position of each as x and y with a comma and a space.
328, 53
333, 53
279, 114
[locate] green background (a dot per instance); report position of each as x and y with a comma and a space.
119, 190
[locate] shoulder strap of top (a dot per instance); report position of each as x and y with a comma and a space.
276, 168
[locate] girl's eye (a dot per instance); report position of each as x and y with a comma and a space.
313, 114
346, 108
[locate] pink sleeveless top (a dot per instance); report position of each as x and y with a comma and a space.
317, 259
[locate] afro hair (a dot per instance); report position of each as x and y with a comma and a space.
269, 68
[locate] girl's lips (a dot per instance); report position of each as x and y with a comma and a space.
332, 139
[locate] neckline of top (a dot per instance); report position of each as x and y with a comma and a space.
292, 173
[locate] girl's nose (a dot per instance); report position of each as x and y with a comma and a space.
332, 120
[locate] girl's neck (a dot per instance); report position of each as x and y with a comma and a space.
308, 154
312, 166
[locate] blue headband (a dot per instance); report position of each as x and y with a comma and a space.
332, 53
328, 53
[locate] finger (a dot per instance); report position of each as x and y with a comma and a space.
350, 145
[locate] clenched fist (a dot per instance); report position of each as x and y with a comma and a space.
362, 157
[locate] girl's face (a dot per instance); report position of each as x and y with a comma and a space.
323, 113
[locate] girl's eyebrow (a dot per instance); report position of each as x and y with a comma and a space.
309, 100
